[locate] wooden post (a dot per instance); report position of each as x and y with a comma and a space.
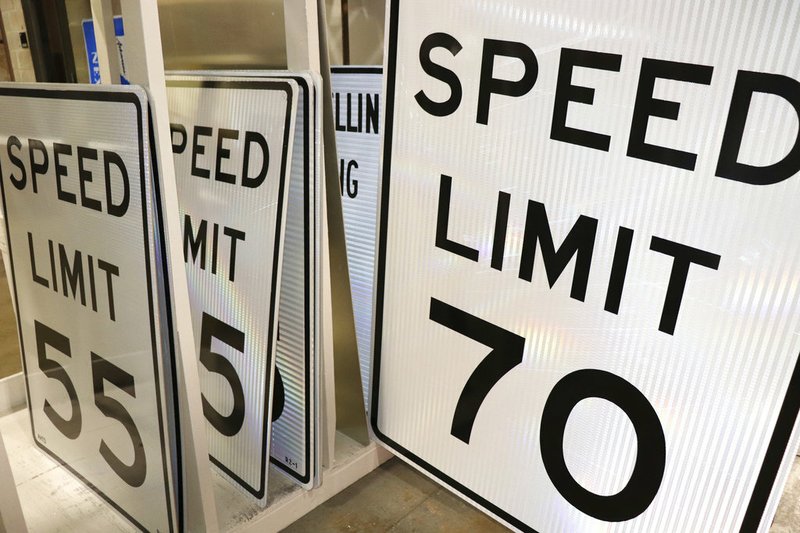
145, 67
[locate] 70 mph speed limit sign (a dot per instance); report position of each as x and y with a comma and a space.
587, 308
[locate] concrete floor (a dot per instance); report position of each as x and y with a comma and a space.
395, 498
787, 519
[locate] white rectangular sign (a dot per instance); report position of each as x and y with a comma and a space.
295, 428
357, 119
232, 140
78, 192
587, 313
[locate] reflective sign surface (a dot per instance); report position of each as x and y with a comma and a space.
294, 427
232, 141
294, 449
587, 305
77, 190
357, 118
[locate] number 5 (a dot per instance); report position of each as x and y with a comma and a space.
213, 328
103, 370
46, 336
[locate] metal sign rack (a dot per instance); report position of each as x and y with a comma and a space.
210, 504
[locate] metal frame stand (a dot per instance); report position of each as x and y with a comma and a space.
211, 503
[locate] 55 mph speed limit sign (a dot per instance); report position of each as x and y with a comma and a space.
232, 141
78, 193
587, 308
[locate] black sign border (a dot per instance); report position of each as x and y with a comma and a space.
779, 441
286, 88
124, 98
351, 69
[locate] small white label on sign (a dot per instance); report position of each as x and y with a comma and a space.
232, 141
587, 310
77, 192
357, 115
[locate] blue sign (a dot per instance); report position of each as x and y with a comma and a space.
91, 49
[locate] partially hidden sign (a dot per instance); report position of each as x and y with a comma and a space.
232, 141
78, 192
357, 119
587, 308
90, 43
295, 426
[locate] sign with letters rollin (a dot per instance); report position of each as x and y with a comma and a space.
232, 170
80, 198
587, 308
357, 119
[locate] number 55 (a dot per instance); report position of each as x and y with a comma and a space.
102, 370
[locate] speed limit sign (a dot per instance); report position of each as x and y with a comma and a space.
587, 312
232, 139
78, 193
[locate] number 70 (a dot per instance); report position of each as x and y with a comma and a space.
507, 350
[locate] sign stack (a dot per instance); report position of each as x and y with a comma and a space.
246, 153
106, 342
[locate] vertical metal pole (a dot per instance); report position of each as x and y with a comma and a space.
343, 409
303, 53
345, 33
351, 417
145, 66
